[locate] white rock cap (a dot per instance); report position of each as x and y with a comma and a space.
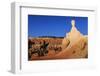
73, 23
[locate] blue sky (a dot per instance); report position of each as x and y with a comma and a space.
43, 25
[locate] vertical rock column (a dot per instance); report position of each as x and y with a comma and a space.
72, 37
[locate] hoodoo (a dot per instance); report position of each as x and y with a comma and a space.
74, 44
73, 36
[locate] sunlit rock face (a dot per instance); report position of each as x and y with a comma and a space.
72, 37
74, 44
